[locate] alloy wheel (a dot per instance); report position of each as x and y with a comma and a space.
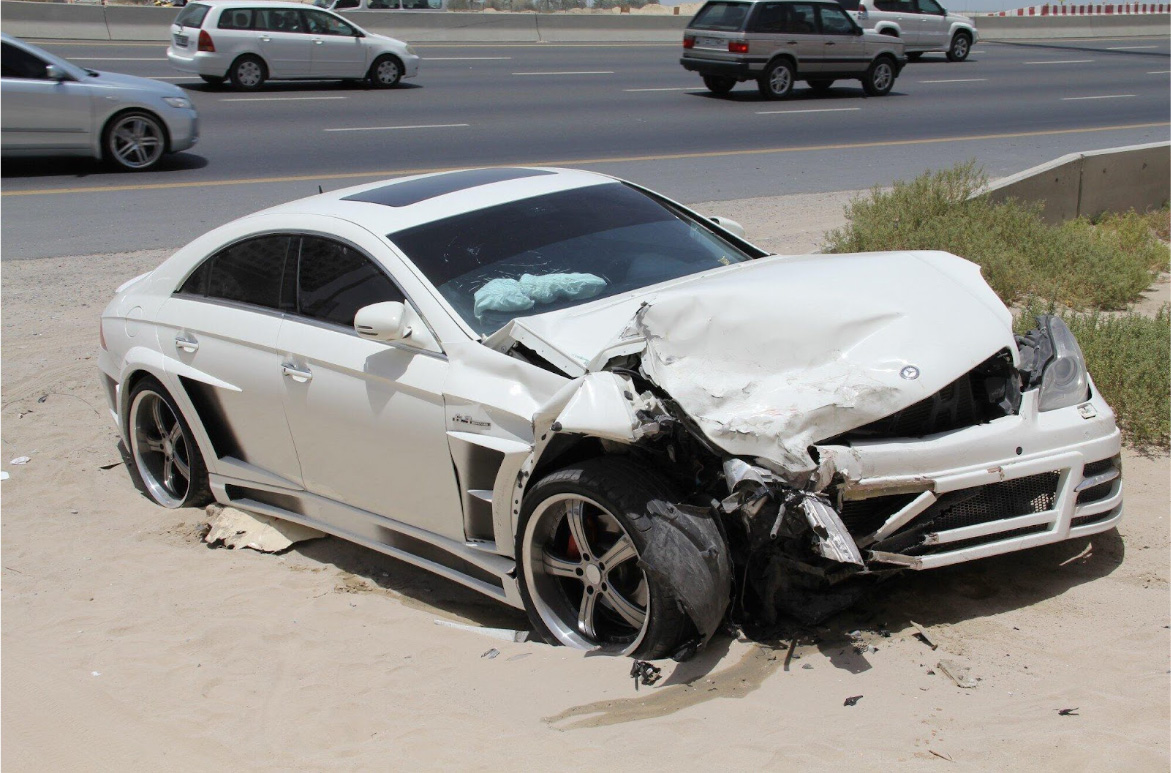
160, 449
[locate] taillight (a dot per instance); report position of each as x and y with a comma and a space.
205, 43
102, 335
737, 47
688, 41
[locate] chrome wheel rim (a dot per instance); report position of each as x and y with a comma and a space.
779, 80
582, 573
883, 76
136, 141
959, 47
249, 73
160, 449
387, 72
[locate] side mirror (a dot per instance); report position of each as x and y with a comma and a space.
55, 73
728, 224
393, 322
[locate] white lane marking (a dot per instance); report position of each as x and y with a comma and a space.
1063, 61
819, 110
276, 99
579, 72
685, 88
392, 128
957, 80
1159, 72
171, 77
1104, 96
464, 58
1128, 48
974, 51
118, 58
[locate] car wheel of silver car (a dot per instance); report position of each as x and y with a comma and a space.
961, 45
880, 78
385, 72
134, 141
719, 84
821, 86
166, 456
777, 81
581, 533
248, 73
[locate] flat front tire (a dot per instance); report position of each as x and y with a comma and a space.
880, 78
961, 46
777, 80
134, 141
165, 453
581, 535
248, 73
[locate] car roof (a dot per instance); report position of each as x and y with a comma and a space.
253, 4
394, 205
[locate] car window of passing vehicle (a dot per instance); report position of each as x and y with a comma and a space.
192, 15
236, 19
335, 280
559, 250
834, 21
799, 19
895, 6
251, 271
720, 16
279, 20
18, 63
849, 5
322, 23
931, 7
769, 17
343, 5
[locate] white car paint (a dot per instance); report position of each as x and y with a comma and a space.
423, 448
923, 25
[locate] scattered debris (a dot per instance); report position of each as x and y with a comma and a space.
3, 475
110, 466
503, 634
21, 460
42, 398
234, 528
95, 673
1086, 553
956, 673
808, 666
941, 755
1068, 712
491, 654
852, 700
921, 635
789, 654
860, 646
518, 657
646, 673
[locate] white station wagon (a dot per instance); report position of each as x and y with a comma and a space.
584, 400
248, 43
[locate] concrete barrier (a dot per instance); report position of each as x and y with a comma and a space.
123, 22
1088, 184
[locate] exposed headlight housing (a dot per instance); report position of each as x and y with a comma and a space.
179, 102
1064, 379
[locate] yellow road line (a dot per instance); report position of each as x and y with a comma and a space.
578, 161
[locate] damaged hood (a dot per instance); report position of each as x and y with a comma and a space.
770, 356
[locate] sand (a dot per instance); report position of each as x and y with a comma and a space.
128, 645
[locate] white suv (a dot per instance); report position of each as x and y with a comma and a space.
248, 43
923, 25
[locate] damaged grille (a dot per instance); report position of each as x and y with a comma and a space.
1102, 490
1086, 520
864, 516
964, 544
984, 393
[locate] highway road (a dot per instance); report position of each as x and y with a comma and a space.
628, 110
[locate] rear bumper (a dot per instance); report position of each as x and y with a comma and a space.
736, 69
200, 63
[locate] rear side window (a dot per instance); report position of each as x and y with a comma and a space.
849, 5
236, 19
719, 15
799, 20
192, 15
336, 280
279, 20
252, 271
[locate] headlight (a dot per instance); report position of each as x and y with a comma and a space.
1065, 381
179, 102
410, 51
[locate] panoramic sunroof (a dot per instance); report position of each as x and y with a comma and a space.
413, 191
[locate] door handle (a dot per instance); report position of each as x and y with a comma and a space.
319, 42
187, 344
265, 39
297, 374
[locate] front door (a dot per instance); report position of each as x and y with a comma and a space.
845, 53
38, 112
367, 417
337, 51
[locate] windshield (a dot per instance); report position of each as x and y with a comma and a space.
720, 16
559, 250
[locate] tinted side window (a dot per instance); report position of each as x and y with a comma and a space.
849, 5
382, 4
251, 271
769, 17
930, 6
18, 63
720, 16
834, 21
279, 20
196, 283
192, 15
800, 19
236, 19
336, 280
322, 23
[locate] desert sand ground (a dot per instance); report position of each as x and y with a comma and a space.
129, 645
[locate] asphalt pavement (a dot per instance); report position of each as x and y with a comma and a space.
627, 109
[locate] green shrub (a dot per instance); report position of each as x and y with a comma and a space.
1077, 264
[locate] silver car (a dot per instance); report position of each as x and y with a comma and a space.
53, 107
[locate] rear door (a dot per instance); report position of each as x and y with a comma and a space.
799, 33
337, 49
38, 111
284, 42
845, 53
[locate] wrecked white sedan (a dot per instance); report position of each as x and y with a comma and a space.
582, 399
